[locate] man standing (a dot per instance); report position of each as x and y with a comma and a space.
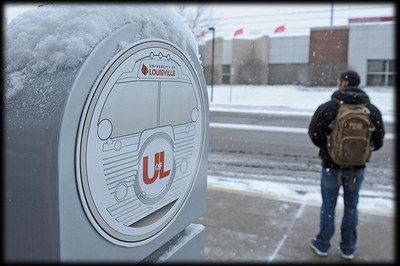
334, 175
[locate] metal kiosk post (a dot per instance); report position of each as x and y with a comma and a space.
113, 166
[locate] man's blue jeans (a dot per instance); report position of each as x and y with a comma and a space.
330, 186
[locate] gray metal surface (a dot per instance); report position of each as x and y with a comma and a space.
44, 217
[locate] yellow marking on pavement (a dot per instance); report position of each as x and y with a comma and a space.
282, 198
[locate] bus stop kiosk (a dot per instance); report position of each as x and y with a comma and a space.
112, 166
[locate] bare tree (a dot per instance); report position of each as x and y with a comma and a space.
251, 72
198, 17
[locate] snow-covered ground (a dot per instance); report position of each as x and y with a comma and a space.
289, 99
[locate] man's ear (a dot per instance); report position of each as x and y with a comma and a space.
344, 84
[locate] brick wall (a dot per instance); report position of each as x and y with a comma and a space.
327, 55
328, 45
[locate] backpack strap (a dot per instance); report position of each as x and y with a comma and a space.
351, 179
333, 121
340, 177
341, 102
338, 101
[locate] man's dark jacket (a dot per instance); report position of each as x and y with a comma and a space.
319, 126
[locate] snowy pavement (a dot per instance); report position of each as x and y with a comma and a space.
371, 201
292, 100
241, 226
262, 218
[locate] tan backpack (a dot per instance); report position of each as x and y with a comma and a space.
349, 143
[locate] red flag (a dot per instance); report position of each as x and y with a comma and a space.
238, 32
201, 34
280, 29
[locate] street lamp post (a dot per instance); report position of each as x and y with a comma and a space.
212, 62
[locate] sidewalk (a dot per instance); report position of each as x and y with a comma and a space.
247, 227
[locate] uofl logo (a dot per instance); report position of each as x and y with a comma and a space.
158, 168
145, 70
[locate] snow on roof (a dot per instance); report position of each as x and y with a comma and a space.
60, 36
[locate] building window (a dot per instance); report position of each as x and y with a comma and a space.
380, 73
226, 74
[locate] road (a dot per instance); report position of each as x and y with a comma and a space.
278, 145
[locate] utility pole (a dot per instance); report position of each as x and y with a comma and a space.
212, 62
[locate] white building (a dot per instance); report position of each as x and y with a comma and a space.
366, 45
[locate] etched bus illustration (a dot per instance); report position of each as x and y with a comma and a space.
147, 131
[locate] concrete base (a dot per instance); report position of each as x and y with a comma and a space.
187, 246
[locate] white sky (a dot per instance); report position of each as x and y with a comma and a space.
261, 19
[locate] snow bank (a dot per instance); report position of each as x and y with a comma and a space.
291, 99
189, 233
59, 37
375, 202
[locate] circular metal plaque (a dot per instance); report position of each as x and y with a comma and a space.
140, 142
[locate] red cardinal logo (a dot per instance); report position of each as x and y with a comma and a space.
145, 70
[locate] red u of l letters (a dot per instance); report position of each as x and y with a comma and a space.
158, 168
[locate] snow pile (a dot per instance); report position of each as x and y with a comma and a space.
290, 99
175, 245
59, 37
375, 202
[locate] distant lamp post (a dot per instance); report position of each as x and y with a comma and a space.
212, 62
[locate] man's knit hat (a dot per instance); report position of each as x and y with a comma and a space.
352, 78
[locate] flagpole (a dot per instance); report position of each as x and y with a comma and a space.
212, 62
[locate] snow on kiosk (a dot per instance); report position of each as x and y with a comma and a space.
123, 147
